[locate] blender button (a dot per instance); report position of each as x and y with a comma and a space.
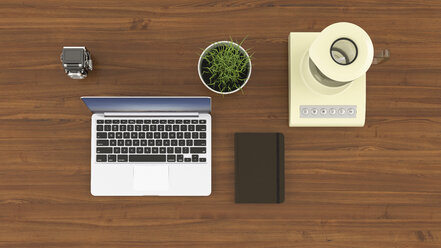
332, 111
351, 111
323, 111
305, 111
341, 111
314, 111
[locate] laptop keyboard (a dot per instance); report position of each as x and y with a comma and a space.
151, 140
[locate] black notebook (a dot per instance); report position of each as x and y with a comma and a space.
259, 175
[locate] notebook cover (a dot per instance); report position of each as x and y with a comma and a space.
259, 169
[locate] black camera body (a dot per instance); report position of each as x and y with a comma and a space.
76, 62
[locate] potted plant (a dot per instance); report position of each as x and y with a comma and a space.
224, 67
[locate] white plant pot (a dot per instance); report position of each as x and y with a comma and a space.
217, 44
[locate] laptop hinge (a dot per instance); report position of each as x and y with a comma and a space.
154, 114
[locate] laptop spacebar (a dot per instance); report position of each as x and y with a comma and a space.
147, 158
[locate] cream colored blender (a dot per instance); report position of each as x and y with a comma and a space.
327, 76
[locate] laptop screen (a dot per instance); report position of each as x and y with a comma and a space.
148, 104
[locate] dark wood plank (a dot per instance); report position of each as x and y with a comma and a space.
377, 186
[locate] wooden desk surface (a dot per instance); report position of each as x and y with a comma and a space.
377, 186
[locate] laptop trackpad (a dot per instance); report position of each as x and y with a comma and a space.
150, 178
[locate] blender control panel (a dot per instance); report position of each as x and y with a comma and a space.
328, 111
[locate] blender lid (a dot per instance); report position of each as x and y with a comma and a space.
342, 52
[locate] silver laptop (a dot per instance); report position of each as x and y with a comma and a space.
150, 146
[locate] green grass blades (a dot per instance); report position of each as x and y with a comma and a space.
228, 67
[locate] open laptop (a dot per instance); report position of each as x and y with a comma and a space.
150, 146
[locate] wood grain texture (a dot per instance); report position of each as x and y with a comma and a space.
377, 186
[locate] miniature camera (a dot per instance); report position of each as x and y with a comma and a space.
76, 62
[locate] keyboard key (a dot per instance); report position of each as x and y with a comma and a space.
135, 142
158, 142
157, 135
155, 121
138, 128
134, 135
186, 121
202, 160
101, 158
189, 143
147, 150
107, 128
187, 159
155, 150
124, 150
122, 128
145, 128
178, 150
178, 121
200, 143
143, 142
102, 143
108, 121
162, 150
181, 142
194, 158
132, 150
147, 158
172, 135
171, 121
111, 158
141, 135
163, 121
166, 142
99, 128
139, 150
131, 121
164, 135
147, 121
174, 142
202, 121
114, 128
115, 121
175, 128
184, 128
99, 121
168, 128
190, 127
126, 135
151, 142
198, 150
180, 135
123, 121
185, 150
130, 128
119, 135
201, 128
112, 142
116, 150
120, 142
139, 121
128, 142
187, 135
180, 158
171, 158
169, 149
104, 150
203, 135
194, 135
194, 121
111, 135
160, 128
122, 158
